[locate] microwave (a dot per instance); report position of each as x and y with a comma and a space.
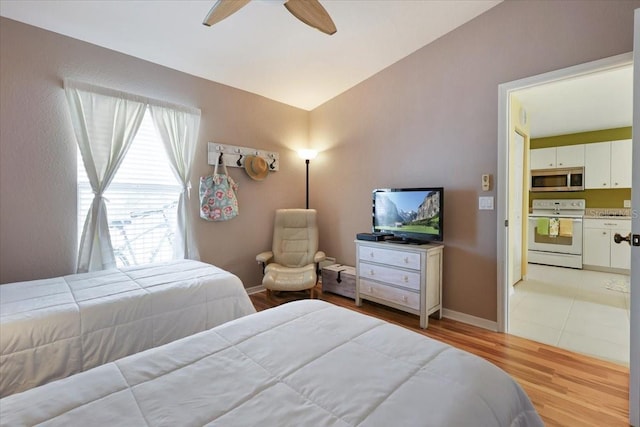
567, 179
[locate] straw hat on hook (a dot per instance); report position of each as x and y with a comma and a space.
256, 167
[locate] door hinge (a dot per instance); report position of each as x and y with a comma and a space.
506, 222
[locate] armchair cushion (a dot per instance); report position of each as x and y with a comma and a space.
280, 278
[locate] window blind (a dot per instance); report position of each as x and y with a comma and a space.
141, 201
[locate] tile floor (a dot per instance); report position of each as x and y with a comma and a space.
579, 310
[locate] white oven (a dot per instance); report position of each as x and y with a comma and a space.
556, 232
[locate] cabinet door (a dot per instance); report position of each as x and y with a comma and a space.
597, 165
543, 158
596, 247
621, 252
621, 164
570, 156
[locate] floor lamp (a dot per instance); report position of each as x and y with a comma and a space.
307, 155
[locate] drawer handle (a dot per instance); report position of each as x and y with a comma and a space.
405, 279
371, 254
370, 289
406, 260
404, 298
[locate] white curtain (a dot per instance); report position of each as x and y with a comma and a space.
105, 124
179, 132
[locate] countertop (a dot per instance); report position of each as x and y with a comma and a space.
607, 213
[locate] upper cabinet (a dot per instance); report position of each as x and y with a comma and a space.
543, 158
621, 164
568, 156
608, 165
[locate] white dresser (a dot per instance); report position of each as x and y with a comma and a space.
402, 276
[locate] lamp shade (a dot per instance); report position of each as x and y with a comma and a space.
307, 154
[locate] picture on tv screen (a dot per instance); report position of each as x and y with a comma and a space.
409, 212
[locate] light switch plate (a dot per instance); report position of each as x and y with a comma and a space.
485, 203
627, 203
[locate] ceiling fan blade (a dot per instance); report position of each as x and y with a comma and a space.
311, 13
222, 9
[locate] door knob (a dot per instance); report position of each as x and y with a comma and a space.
619, 239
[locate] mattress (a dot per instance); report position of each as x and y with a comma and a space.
305, 363
52, 328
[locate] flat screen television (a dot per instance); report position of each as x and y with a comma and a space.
412, 215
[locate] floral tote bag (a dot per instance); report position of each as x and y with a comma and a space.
218, 201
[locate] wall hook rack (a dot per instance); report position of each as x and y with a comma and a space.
234, 156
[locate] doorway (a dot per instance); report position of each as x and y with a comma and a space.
503, 186
575, 308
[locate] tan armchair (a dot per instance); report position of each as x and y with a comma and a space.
292, 264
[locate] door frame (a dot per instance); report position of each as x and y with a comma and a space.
504, 95
517, 130
504, 92
634, 296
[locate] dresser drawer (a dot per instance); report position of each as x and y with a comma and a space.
395, 276
391, 257
399, 296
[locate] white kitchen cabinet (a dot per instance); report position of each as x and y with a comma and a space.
599, 248
568, 156
621, 252
596, 246
543, 158
608, 165
621, 164
597, 165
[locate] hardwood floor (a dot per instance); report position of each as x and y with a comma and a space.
567, 389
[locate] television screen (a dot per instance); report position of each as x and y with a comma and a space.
410, 214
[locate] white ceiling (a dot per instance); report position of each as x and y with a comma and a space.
595, 101
262, 48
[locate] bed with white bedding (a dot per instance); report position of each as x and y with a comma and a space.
306, 363
52, 328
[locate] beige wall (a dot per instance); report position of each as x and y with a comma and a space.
428, 120
431, 120
38, 236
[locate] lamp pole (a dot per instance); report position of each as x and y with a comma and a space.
307, 163
307, 155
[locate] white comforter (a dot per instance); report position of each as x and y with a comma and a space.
52, 328
306, 363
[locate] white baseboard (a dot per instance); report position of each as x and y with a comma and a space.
471, 320
254, 289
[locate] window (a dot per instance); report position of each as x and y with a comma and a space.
141, 201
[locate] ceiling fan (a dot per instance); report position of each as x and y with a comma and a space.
310, 12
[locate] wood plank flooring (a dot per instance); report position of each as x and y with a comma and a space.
567, 389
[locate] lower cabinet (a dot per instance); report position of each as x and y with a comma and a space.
599, 248
406, 277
